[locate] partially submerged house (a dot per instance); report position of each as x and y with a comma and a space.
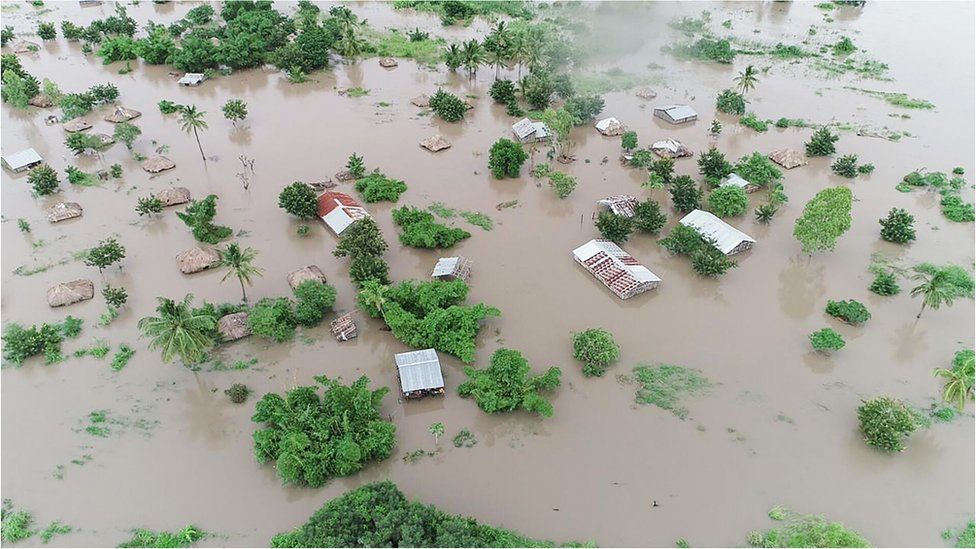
308, 272
676, 114
158, 163
343, 328
670, 148
621, 204
234, 326
615, 268
529, 131
173, 196
788, 158
122, 114
22, 161
435, 143
192, 79
197, 259
64, 210
339, 211
610, 127
66, 293
452, 268
76, 125
419, 373
727, 238
736, 180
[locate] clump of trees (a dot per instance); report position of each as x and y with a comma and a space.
826, 340
596, 349
376, 187
613, 226
898, 227
199, 215
706, 259
447, 106
886, 422
505, 158
421, 230
299, 200
363, 243
19, 86
822, 143
728, 201
628, 141
825, 218
958, 381
685, 194
758, 169
313, 438
850, 311
43, 179
505, 385
731, 102
277, 318
21, 343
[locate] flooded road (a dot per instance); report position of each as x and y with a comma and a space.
779, 426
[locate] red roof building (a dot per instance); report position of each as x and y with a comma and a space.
339, 211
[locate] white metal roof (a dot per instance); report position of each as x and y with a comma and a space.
22, 159
192, 78
419, 370
525, 128
726, 236
616, 254
678, 112
606, 123
445, 266
621, 204
735, 179
668, 145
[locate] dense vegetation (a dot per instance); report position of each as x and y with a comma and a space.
666, 385
806, 531
421, 230
596, 349
851, 311
505, 158
505, 385
825, 218
199, 215
706, 259
363, 243
886, 422
376, 187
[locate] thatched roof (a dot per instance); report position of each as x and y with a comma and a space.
174, 196
196, 259
309, 272
105, 138
344, 175
435, 143
66, 293
76, 125
646, 93
422, 101
64, 210
122, 114
158, 163
234, 326
388, 62
41, 100
788, 158
25, 46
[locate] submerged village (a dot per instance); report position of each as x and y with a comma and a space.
487, 274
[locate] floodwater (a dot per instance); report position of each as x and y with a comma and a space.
778, 428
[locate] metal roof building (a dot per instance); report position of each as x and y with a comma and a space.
452, 268
737, 180
727, 238
621, 204
22, 161
420, 373
676, 114
192, 79
610, 127
339, 210
527, 131
670, 148
615, 268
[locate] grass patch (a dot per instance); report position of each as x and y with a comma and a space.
16, 523
750, 120
464, 11
805, 531
782, 51
868, 68
611, 80
665, 385
147, 538
791, 123
54, 529
98, 424
24, 270
122, 357
98, 350
896, 99
357, 92
479, 220
440, 210
464, 439
221, 366
398, 44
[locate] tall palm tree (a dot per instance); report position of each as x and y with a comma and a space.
747, 79
935, 290
350, 45
237, 261
453, 57
519, 51
473, 56
191, 120
497, 57
373, 293
958, 385
179, 330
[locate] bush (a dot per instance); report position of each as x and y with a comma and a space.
21, 343
821, 143
120, 48
584, 108
765, 212
709, 50
168, 107
126, 133
898, 227
369, 267
562, 183
114, 297
807, 531
682, 240
502, 91
865, 169
273, 319
685, 194
377, 187
505, 158
315, 438
238, 393
199, 215
852, 311
758, 169
106, 253
826, 340
709, 261
886, 423
596, 349
200, 15
750, 120
506, 385
713, 165
614, 227
537, 88
663, 169
648, 217
730, 102
845, 166
447, 106
314, 299
420, 230
43, 179
149, 205
728, 201
844, 47
299, 200
954, 209
628, 141
355, 166
885, 284
46, 31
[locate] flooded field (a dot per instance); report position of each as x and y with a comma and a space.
778, 426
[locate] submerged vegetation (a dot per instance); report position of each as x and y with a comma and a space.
666, 386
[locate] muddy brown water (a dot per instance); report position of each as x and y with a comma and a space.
779, 427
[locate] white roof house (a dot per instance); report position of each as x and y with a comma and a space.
339, 211
23, 160
420, 373
610, 127
615, 268
192, 79
676, 114
621, 204
670, 148
528, 131
737, 180
452, 268
727, 238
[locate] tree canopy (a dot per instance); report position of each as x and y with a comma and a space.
825, 218
505, 385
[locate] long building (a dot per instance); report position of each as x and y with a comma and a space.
615, 268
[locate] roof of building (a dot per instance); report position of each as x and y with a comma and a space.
670, 148
445, 266
610, 126
726, 236
678, 112
419, 370
192, 77
621, 204
788, 158
617, 269
339, 210
735, 179
22, 159
525, 128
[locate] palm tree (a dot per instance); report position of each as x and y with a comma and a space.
497, 57
350, 45
473, 56
452, 57
519, 52
935, 290
237, 261
179, 330
191, 119
958, 385
374, 294
747, 79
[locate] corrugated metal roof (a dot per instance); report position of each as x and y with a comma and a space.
419, 370
525, 128
621, 204
192, 78
678, 113
726, 236
606, 123
22, 159
735, 179
617, 269
445, 266
339, 210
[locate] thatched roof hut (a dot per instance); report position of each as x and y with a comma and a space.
234, 326
788, 158
435, 143
646, 93
158, 163
122, 114
197, 259
388, 62
66, 293
174, 196
64, 210
308, 272
105, 138
77, 125
41, 101
422, 101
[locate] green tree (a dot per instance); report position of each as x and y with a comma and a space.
234, 109
363, 237
80, 143
685, 194
502, 91
596, 349
713, 165
728, 201
314, 298
885, 284
107, 252
758, 169
179, 330
898, 227
191, 120
114, 297
377, 187
628, 141
845, 166
43, 179
505, 158
887, 422
730, 102
127, 133
157, 47
436, 429
747, 79
472, 57
826, 340
199, 215
506, 385
851, 311
825, 218
614, 227
822, 143
239, 263
648, 217
959, 380
560, 121
356, 166
935, 289
447, 106
46, 31
299, 200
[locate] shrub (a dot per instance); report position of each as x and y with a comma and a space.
682, 240
954, 209
648, 217
750, 120
807, 531
420, 230
685, 194
126, 133
149, 205
314, 299
273, 319
377, 187
447, 106
628, 141
822, 143
299, 200
865, 169
537, 88
238, 393
46, 31
506, 385
708, 49
845, 166
114, 297
199, 215
505, 158
315, 438
596, 349
21, 343
119, 48
502, 91
898, 227
826, 340
563, 184
709, 261
731, 102
713, 165
356, 166
200, 15
584, 108
168, 107
728, 201
43, 179
106, 253
885, 284
614, 227
368, 267
852, 311
765, 212
844, 47
663, 169
825, 218
758, 169
886, 423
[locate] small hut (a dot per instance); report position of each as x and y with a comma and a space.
64, 210
22, 161
676, 114
610, 127
726, 238
646, 93
158, 163
104, 138
788, 158
527, 131
343, 328
736, 180
308, 272
67, 293
234, 326
615, 268
77, 125
435, 143
388, 62
420, 373
196, 259
192, 79
41, 101
122, 114
621, 204
422, 101
174, 196
452, 268
670, 148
